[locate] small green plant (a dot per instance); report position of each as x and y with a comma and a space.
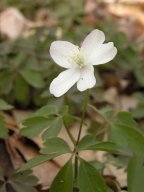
124, 136
18, 182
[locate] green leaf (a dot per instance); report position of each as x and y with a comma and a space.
53, 129
35, 125
47, 110
109, 190
21, 90
98, 165
138, 112
69, 119
17, 182
3, 129
126, 118
105, 112
4, 105
6, 82
20, 187
64, 180
25, 177
136, 174
128, 137
34, 78
89, 179
85, 142
64, 110
106, 146
89, 143
38, 160
119, 161
55, 145
23, 182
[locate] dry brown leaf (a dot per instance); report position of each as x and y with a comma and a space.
10, 121
111, 96
20, 151
120, 102
12, 23
127, 10
16, 159
128, 13
90, 6
6, 166
127, 103
96, 12
20, 115
44, 17
119, 174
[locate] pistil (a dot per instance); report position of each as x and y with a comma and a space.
78, 59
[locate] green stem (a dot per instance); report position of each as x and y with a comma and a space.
83, 116
76, 166
79, 133
69, 133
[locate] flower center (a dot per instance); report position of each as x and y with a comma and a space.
78, 59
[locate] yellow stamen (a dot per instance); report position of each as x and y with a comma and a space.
78, 59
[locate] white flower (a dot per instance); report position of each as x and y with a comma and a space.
79, 62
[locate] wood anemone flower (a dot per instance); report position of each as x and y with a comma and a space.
79, 62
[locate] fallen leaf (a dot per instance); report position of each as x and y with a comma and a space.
20, 152
12, 23
119, 174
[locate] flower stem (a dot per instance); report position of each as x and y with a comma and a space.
83, 115
79, 133
69, 133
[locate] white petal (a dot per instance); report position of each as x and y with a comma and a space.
64, 81
61, 51
103, 54
92, 41
87, 78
